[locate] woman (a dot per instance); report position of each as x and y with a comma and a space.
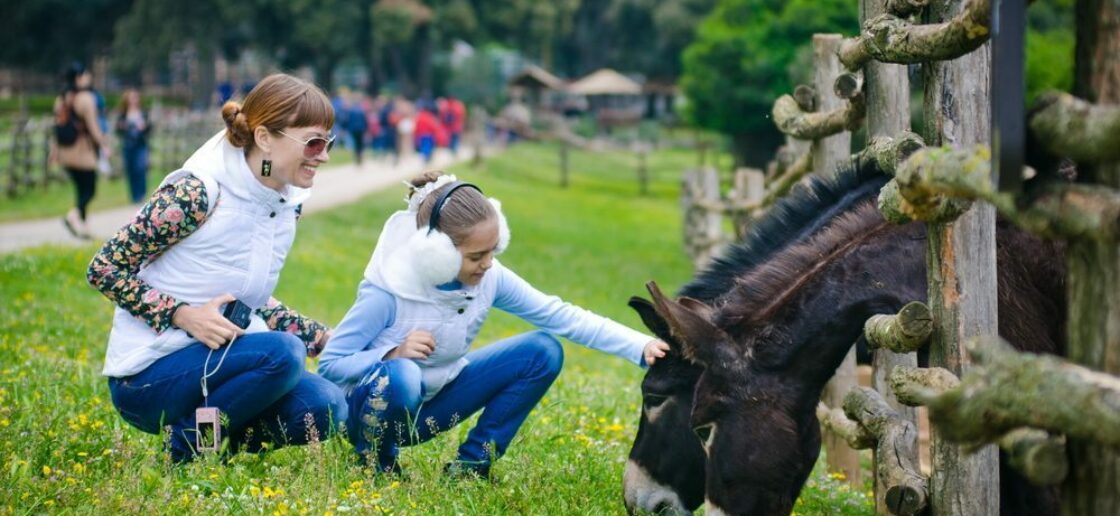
78, 154
217, 231
401, 351
132, 128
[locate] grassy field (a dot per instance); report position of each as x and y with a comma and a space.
63, 447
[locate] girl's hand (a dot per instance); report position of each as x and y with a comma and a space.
654, 350
418, 344
206, 323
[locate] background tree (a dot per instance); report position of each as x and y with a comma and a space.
738, 63
44, 35
164, 27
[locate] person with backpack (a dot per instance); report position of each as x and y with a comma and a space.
78, 141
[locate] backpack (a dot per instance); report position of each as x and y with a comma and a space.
66, 124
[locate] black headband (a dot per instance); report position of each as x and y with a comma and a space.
433, 220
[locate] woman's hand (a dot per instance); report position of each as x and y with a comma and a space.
654, 350
317, 347
206, 323
418, 344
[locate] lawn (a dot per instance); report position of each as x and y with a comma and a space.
596, 243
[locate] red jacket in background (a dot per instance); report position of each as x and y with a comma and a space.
428, 125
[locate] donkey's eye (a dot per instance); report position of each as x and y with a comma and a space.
652, 401
704, 432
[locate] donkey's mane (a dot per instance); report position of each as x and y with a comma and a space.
763, 289
801, 213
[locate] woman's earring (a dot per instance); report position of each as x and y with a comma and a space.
266, 168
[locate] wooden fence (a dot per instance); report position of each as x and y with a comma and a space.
976, 387
25, 147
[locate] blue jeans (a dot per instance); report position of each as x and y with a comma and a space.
262, 388
506, 379
135, 159
426, 145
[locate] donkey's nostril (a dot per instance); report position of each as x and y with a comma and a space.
663, 508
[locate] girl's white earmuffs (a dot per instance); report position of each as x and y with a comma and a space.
433, 254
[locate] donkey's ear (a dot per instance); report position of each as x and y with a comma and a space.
698, 336
653, 320
701, 308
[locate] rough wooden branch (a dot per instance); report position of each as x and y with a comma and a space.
791, 120
890, 39
913, 385
889, 152
907, 490
1006, 389
836, 422
890, 204
847, 85
806, 97
1039, 456
936, 184
1070, 127
777, 188
905, 8
903, 332
792, 175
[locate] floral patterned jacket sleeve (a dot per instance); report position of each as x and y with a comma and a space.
282, 318
174, 212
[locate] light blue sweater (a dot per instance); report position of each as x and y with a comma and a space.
352, 353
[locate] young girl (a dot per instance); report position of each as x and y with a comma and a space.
401, 352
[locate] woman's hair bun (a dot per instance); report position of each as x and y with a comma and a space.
237, 126
425, 178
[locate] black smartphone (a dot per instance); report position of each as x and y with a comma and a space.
238, 313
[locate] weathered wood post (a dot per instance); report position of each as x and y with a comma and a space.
887, 91
961, 262
833, 150
643, 171
702, 222
563, 163
45, 134
1093, 484
12, 185
829, 153
748, 187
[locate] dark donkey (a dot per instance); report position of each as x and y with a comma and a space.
772, 342
666, 466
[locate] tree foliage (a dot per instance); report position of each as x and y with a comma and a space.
738, 64
44, 35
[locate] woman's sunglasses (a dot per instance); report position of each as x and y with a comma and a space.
313, 146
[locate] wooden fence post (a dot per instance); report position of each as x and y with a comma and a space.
961, 262
702, 225
563, 163
1093, 483
643, 171
829, 153
748, 186
886, 88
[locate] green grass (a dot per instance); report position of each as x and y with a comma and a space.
64, 448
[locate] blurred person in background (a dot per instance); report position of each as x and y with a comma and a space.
428, 132
133, 127
78, 141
